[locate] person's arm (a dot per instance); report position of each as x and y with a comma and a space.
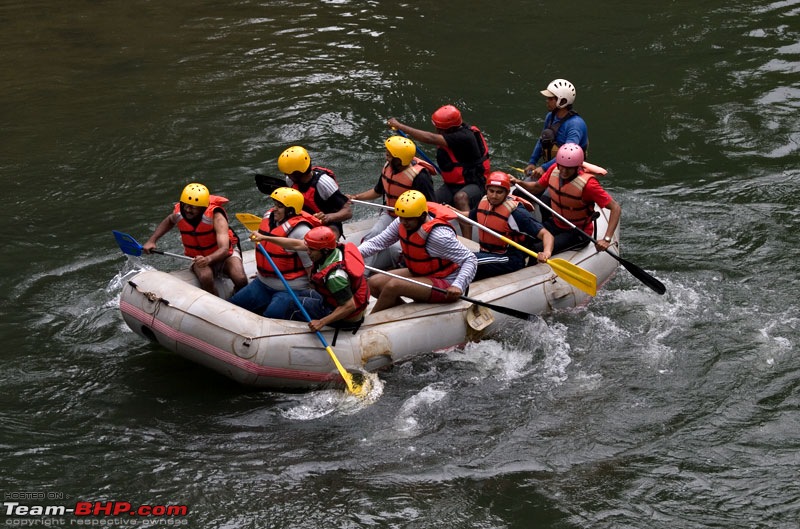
383, 240
283, 242
424, 136
340, 312
532, 227
613, 221
534, 188
223, 242
163, 227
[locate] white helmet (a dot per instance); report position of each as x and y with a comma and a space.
561, 89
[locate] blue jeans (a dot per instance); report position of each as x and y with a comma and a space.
314, 304
270, 303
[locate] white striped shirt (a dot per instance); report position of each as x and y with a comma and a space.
441, 243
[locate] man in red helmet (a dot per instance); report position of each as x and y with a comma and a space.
574, 191
510, 216
462, 156
341, 292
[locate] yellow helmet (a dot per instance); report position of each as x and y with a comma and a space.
293, 159
401, 147
195, 195
410, 204
290, 198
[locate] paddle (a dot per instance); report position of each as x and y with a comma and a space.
572, 274
497, 308
352, 386
130, 246
420, 152
250, 221
656, 285
268, 184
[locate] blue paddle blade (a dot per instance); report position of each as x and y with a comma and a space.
127, 244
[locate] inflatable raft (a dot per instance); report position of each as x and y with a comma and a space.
172, 311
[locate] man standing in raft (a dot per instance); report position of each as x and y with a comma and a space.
206, 237
432, 252
462, 156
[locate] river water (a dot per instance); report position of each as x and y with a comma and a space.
637, 410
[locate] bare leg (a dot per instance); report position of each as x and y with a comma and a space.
461, 202
390, 290
206, 277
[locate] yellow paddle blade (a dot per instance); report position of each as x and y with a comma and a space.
571, 273
250, 221
574, 275
353, 387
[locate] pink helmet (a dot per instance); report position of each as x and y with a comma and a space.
570, 155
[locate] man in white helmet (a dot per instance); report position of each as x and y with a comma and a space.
561, 125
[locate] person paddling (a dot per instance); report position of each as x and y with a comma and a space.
321, 195
510, 217
462, 155
401, 172
267, 295
432, 253
574, 191
338, 279
206, 236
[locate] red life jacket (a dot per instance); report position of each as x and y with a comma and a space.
566, 199
288, 263
442, 212
310, 193
417, 258
395, 184
353, 263
496, 219
455, 175
202, 239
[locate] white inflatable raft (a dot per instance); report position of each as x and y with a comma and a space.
171, 310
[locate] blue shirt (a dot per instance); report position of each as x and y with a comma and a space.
573, 130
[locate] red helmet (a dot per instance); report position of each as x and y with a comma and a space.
570, 155
320, 238
499, 179
446, 117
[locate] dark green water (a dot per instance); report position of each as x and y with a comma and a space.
635, 411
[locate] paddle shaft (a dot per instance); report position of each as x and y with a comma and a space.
177, 255
572, 274
348, 378
497, 308
654, 284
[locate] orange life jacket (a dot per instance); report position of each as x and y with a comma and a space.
566, 198
202, 239
288, 263
496, 219
353, 263
417, 258
455, 174
395, 184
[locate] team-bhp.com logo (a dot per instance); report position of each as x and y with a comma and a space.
90, 513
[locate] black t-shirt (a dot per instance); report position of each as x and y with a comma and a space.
464, 145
